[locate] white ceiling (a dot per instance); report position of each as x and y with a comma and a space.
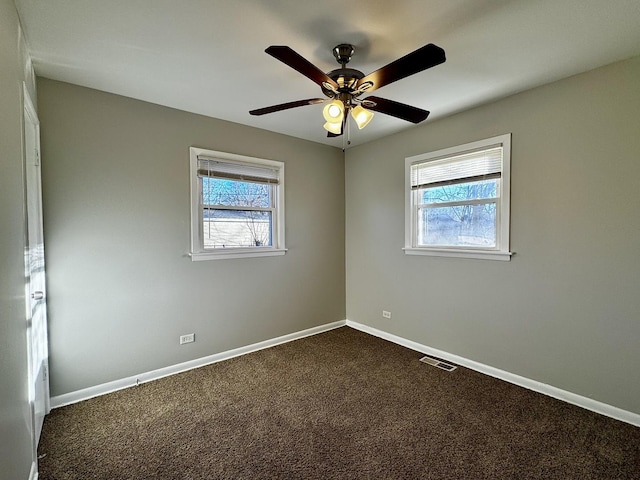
207, 56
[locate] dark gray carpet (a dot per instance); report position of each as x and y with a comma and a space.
339, 405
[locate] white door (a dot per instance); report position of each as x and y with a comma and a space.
34, 258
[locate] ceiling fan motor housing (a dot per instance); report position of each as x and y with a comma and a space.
346, 78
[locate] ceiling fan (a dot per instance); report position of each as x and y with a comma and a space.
344, 86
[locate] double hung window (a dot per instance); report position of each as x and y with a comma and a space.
457, 201
237, 205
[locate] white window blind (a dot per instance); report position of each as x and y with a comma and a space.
467, 167
213, 167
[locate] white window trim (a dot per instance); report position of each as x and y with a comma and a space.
198, 253
501, 252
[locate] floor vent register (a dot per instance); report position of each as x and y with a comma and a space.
438, 363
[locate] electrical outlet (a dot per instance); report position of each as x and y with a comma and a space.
190, 337
386, 314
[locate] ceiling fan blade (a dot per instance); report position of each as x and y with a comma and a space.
297, 62
285, 106
426, 57
395, 109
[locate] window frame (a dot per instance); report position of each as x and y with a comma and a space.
501, 250
198, 252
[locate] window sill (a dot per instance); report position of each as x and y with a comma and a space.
450, 252
237, 253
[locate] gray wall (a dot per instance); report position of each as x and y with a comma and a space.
15, 420
566, 310
121, 288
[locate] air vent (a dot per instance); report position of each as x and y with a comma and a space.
438, 363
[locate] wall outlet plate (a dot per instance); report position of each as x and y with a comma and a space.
188, 338
386, 314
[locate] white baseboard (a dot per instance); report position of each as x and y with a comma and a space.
87, 393
33, 474
569, 397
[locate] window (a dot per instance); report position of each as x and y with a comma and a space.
457, 201
237, 206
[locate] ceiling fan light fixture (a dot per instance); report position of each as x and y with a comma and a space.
333, 112
362, 116
333, 127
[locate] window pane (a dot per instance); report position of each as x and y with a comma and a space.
463, 191
236, 228
459, 226
234, 193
